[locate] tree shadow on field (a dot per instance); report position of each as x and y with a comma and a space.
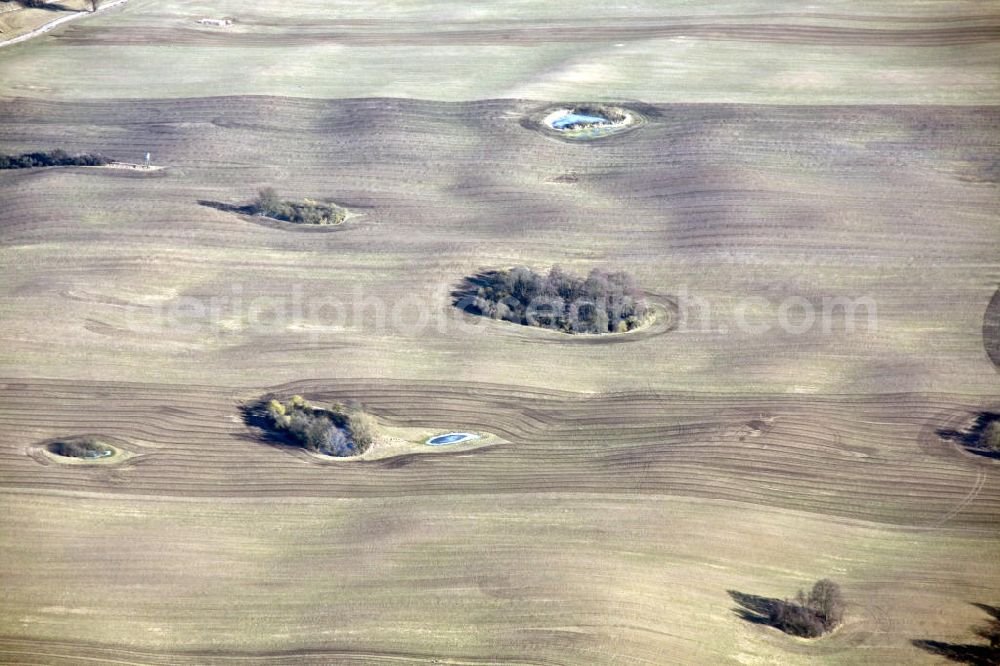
255, 417
972, 438
992, 611
48, 6
753, 608
970, 653
464, 296
976, 655
228, 208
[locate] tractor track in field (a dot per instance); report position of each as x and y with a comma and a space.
27, 651
189, 444
979, 32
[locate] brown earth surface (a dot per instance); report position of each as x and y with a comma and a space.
642, 478
873, 458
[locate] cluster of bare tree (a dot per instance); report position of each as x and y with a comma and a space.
982, 437
810, 615
53, 158
603, 302
337, 431
269, 204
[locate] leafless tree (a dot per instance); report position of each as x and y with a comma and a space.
827, 602
810, 615
267, 202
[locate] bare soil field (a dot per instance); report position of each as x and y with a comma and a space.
636, 481
892, 203
750, 51
873, 458
641, 478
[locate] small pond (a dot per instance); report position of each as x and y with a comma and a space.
452, 438
583, 122
570, 120
87, 451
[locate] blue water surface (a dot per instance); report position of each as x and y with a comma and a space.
451, 438
574, 118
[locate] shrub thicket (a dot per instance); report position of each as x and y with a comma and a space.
990, 437
810, 615
982, 437
54, 158
337, 431
363, 428
602, 302
269, 204
81, 447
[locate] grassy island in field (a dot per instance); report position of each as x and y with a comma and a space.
306, 211
809, 615
338, 431
603, 302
